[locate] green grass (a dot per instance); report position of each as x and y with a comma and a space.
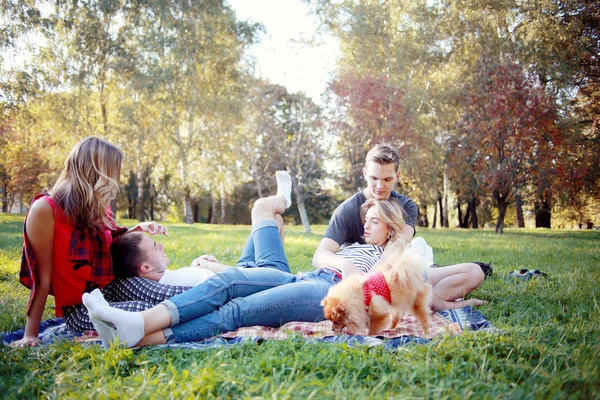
548, 345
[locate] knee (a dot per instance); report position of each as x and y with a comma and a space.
475, 275
261, 209
260, 205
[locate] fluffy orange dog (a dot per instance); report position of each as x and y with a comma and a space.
375, 301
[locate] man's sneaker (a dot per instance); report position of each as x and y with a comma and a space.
525, 274
487, 269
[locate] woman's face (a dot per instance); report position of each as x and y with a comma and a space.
376, 231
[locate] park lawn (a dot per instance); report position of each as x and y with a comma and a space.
548, 344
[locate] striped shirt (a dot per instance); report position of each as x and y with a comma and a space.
364, 256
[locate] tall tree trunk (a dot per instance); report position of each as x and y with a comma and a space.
441, 206
502, 206
543, 215
5, 196
300, 204
209, 217
213, 208
423, 221
463, 220
141, 209
303, 213
435, 208
223, 201
151, 205
473, 209
444, 212
519, 207
188, 210
461, 223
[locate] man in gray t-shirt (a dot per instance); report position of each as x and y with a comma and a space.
381, 173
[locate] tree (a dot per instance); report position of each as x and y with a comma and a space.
288, 134
512, 123
375, 112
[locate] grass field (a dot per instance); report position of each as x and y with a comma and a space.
548, 345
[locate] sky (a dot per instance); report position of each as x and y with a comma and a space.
288, 52
283, 55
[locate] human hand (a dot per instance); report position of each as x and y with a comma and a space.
27, 341
204, 261
348, 268
398, 243
151, 228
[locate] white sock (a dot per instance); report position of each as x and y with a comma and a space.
97, 294
105, 332
284, 187
128, 326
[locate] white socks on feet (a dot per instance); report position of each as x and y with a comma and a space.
284, 187
128, 326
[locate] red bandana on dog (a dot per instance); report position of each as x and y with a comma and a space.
376, 284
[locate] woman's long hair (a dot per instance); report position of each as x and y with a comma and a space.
389, 211
88, 183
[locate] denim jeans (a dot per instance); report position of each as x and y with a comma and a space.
264, 249
297, 300
262, 291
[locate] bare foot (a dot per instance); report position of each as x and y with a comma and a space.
438, 304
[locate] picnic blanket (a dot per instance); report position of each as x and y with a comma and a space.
409, 330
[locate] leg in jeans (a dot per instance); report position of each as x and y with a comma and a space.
223, 287
264, 247
240, 282
299, 301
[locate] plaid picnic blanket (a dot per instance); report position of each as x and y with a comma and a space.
409, 330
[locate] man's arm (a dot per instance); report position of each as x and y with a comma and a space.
407, 233
325, 254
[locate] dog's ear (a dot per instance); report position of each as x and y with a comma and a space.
339, 312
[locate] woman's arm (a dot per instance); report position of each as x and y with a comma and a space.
40, 232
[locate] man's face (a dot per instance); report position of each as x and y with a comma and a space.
381, 180
154, 259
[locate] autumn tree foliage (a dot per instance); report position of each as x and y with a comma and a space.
508, 140
374, 112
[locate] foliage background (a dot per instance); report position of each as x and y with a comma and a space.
493, 105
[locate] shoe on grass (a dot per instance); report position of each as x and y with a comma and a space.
487, 269
525, 274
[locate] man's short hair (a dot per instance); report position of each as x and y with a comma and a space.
384, 153
126, 255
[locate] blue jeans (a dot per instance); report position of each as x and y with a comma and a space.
261, 292
264, 248
297, 300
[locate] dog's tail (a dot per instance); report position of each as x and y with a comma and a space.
406, 267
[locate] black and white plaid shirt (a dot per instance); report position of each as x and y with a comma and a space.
129, 294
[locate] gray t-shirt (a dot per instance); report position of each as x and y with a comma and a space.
345, 226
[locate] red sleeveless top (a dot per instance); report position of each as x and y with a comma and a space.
80, 260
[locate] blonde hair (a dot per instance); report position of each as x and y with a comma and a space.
88, 182
389, 211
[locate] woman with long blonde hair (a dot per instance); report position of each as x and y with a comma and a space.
67, 237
